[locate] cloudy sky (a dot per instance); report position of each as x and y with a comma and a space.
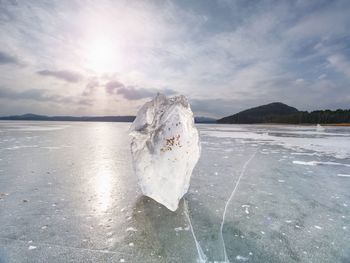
108, 57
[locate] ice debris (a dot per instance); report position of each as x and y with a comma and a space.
131, 229
319, 128
241, 258
165, 148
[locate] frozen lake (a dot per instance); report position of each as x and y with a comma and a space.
68, 194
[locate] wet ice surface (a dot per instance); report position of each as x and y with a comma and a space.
68, 194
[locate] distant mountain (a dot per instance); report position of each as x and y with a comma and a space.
35, 117
278, 112
204, 120
260, 114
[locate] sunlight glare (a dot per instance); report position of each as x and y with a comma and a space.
103, 56
104, 190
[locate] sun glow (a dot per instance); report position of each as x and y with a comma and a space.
103, 56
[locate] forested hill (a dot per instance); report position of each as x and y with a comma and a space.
281, 113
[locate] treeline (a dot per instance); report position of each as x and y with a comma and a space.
320, 116
278, 112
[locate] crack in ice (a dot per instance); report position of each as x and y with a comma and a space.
201, 256
229, 200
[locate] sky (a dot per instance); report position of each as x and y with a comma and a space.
107, 57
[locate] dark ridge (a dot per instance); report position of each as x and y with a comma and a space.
278, 112
204, 120
260, 114
35, 117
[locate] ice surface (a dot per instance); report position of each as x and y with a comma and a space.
165, 148
98, 202
236, 184
335, 142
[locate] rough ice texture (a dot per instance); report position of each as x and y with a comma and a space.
333, 142
165, 148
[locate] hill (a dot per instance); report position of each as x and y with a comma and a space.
278, 112
35, 117
261, 114
204, 120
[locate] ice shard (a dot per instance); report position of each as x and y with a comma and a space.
165, 148
320, 128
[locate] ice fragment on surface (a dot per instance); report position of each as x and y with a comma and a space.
343, 175
319, 128
177, 229
131, 229
314, 163
165, 148
241, 258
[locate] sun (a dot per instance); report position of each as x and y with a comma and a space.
103, 56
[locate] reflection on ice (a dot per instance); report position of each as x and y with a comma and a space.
103, 186
37, 128
103, 177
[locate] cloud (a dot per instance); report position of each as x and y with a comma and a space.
134, 93
228, 55
340, 63
85, 102
218, 107
28, 94
41, 95
112, 86
90, 87
6, 58
67, 75
213, 107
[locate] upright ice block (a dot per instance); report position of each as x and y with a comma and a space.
165, 148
